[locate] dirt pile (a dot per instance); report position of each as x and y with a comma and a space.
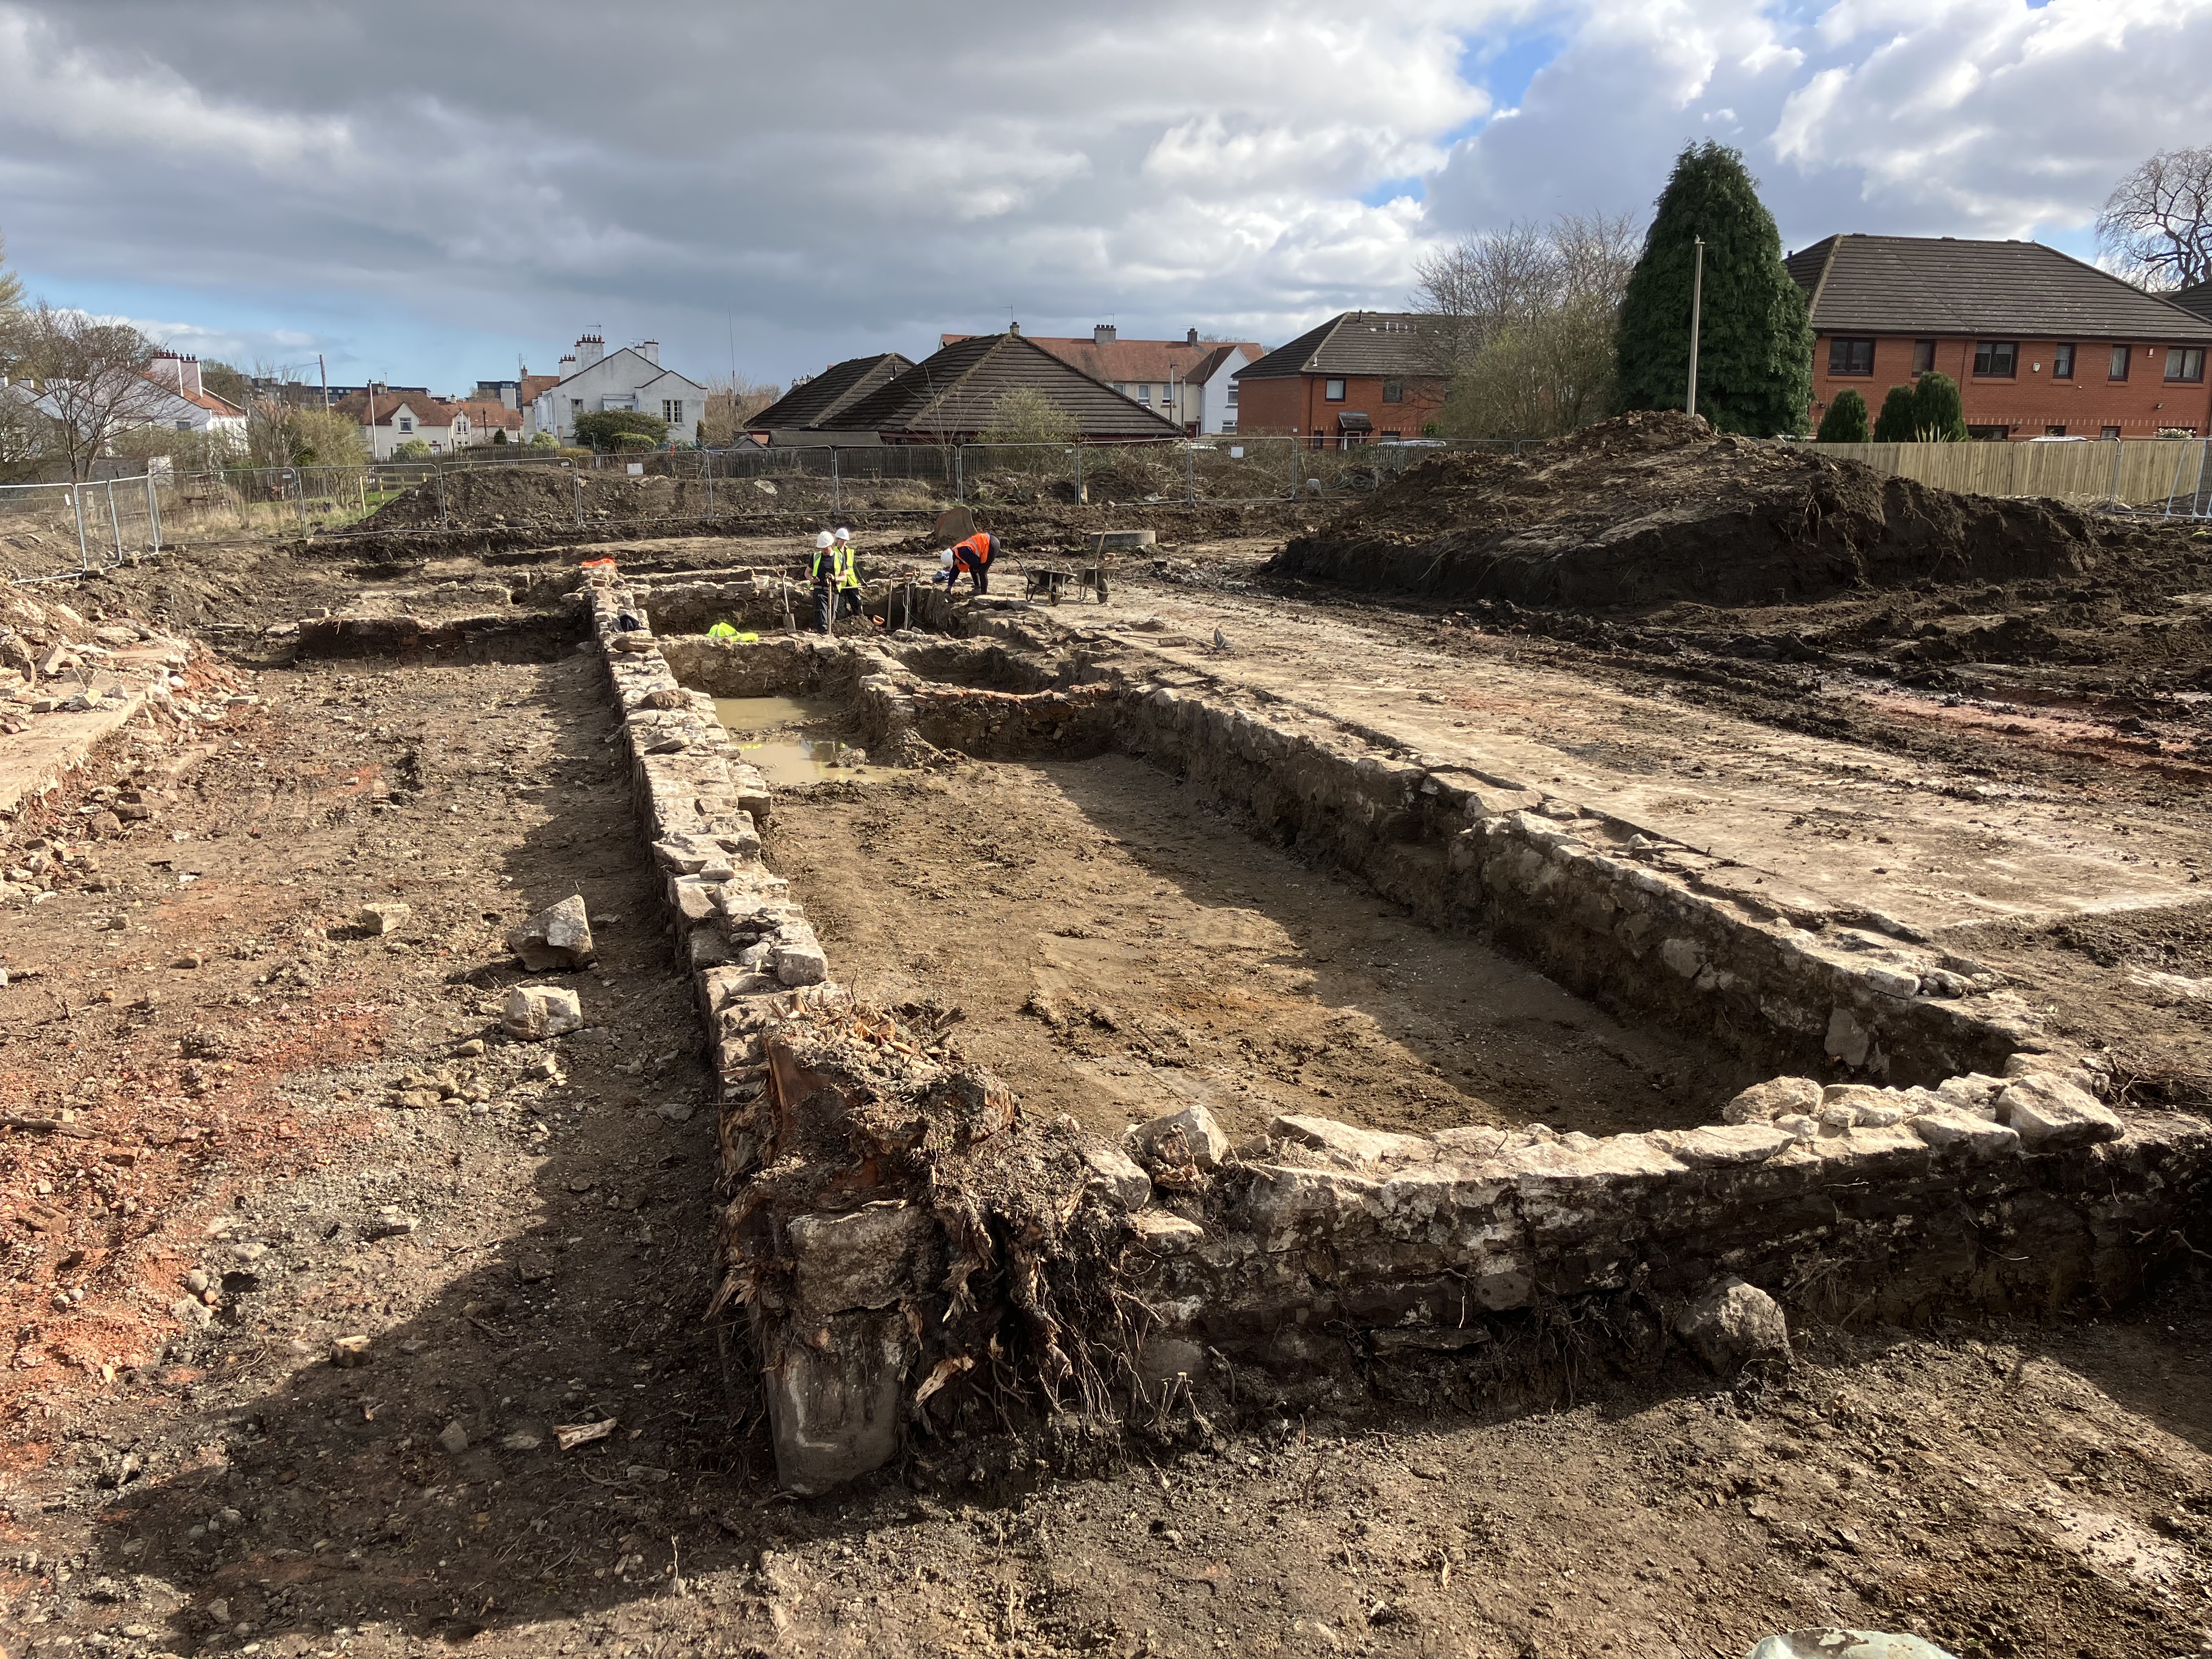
1653, 506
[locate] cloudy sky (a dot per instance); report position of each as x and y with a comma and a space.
428, 193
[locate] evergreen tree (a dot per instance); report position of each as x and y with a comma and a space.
1845, 423
1755, 347
1938, 416
1897, 422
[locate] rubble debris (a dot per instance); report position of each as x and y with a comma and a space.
558, 937
542, 1010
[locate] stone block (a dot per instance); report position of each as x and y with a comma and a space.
1118, 1177
833, 1405
1954, 1125
1164, 1234
1354, 1145
799, 959
1202, 1138
1974, 1092
871, 1257
1739, 1143
1779, 1096
560, 937
2049, 1113
542, 1010
1735, 1324
382, 917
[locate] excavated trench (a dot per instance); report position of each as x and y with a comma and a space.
1160, 1052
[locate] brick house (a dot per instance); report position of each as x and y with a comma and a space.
1361, 375
2041, 344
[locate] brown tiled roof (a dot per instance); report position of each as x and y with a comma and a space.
954, 391
1354, 342
488, 413
1947, 285
1126, 361
529, 385
811, 402
427, 410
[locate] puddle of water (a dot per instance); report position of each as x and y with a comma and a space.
764, 728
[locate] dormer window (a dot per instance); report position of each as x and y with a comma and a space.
406, 424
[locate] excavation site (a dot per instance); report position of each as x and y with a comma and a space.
1603, 1050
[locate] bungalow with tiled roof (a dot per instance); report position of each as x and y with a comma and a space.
391, 415
1193, 382
952, 395
816, 401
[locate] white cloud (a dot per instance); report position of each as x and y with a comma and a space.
839, 179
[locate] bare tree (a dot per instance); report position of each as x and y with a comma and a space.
92, 380
1529, 314
11, 289
731, 401
2156, 227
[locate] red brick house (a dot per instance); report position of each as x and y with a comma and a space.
2041, 344
1360, 376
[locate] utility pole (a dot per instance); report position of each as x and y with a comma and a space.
1697, 312
325, 369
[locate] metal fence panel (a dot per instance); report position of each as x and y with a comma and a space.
58, 532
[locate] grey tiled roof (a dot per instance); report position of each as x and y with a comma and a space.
838, 386
953, 394
1354, 342
2197, 300
1945, 285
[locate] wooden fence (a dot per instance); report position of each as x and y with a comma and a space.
2140, 472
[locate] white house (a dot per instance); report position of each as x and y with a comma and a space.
183, 403
594, 379
391, 415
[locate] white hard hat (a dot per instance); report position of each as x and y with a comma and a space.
945, 559
843, 534
825, 539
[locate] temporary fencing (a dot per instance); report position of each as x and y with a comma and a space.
57, 531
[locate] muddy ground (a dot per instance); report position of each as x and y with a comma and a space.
274, 1117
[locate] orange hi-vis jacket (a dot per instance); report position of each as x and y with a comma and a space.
977, 552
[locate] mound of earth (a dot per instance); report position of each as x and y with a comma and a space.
549, 496
1656, 506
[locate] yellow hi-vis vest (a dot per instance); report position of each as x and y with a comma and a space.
840, 573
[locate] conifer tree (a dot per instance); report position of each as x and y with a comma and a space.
1755, 349
1845, 423
1938, 414
1896, 422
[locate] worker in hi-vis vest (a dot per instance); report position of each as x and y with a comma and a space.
832, 575
973, 556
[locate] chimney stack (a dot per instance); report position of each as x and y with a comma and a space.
650, 350
1014, 328
174, 368
1193, 337
1103, 333
589, 347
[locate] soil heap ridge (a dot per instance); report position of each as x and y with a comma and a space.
1656, 506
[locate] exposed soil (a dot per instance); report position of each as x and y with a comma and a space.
1118, 947
1654, 506
2007, 1490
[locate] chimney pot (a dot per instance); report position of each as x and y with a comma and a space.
1103, 333
1014, 328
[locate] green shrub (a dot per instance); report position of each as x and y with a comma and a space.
1939, 417
415, 449
1845, 423
605, 429
1895, 424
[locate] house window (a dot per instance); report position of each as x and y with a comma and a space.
1997, 359
1988, 434
183, 426
1232, 394
1394, 391
1923, 356
2185, 362
672, 411
2054, 432
2118, 371
1850, 356
1121, 387
2109, 432
2062, 362
406, 424
1144, 392
1332, 391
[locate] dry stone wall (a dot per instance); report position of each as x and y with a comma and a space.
895, 1227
